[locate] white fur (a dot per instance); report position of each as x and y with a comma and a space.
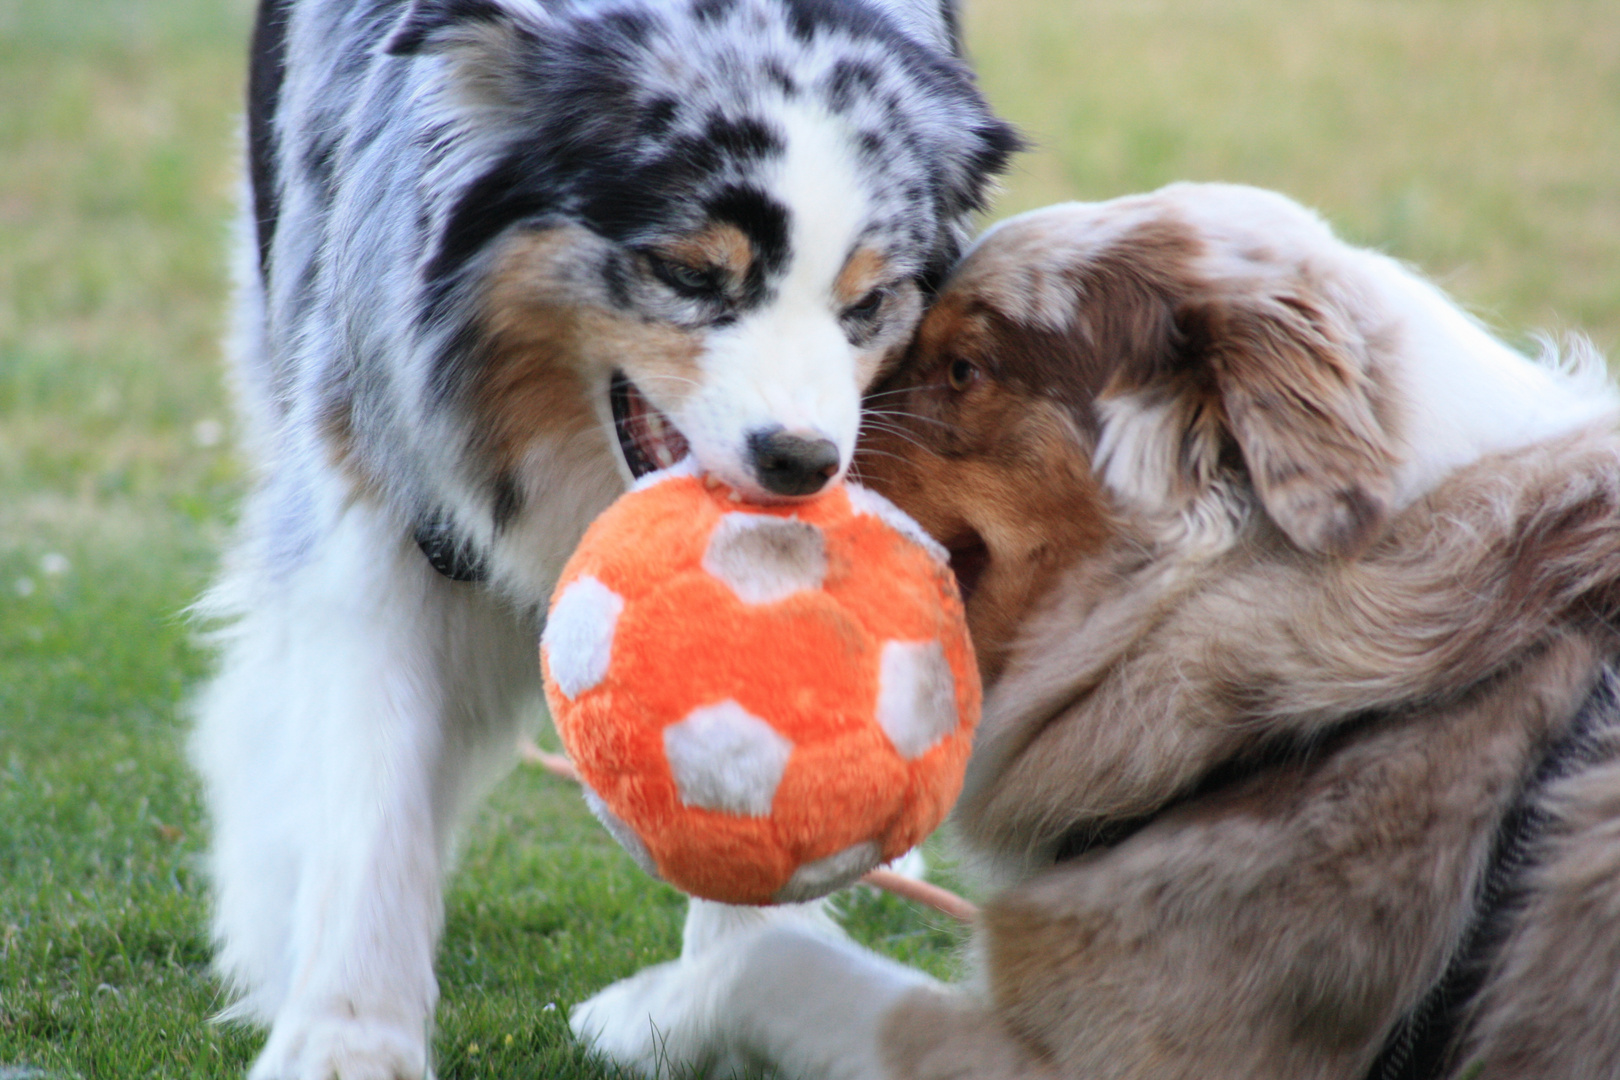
364, 689
789, 364
782, 985
1470, 395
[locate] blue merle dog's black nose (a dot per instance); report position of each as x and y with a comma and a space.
788, 464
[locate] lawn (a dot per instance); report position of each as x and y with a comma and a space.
1479, 140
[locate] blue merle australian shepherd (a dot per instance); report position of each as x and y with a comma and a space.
503, 256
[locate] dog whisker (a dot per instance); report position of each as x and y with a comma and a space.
905, 437
917, 417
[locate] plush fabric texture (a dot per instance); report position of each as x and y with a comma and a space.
783, 615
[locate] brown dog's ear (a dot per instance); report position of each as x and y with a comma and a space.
1291, 375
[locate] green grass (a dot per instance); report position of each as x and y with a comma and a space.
1477, 138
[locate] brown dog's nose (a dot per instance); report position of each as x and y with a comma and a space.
788, 464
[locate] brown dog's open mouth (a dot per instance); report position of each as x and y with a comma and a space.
970, 558
646, 437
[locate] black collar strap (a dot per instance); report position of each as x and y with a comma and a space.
1422, 1042
451, 555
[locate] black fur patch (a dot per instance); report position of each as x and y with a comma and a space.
763, 220
849, 79
633, 27
778, 76
657, 116
448, 553
953, 26
508, 193
747, 139
807, 18
318, 162
998, 142
508, 501
266, 70
711, 11
428, 18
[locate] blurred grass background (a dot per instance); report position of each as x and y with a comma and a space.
1479, 139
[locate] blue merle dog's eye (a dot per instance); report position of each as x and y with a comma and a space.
696, 283
867, 306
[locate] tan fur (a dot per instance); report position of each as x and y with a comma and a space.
1188, 479
1015, 496
338, 437
933, 1033
1296, 398
1469, 580
544, 341
1255, 920
722, 247
864, 271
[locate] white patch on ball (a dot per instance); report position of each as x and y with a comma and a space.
578, 637
764, 559
623, 833
866, 501
725, 758
821, 877
916, 696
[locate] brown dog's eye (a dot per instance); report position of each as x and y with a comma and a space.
962, 375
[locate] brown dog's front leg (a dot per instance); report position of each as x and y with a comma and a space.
1277, 929
938, 1034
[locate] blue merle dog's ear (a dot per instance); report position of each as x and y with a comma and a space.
437, 26
487, 49
932, 22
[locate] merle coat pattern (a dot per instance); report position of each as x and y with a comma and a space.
500, 256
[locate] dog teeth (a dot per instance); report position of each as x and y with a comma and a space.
658, 429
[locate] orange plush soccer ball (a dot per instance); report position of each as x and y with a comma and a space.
764, 702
